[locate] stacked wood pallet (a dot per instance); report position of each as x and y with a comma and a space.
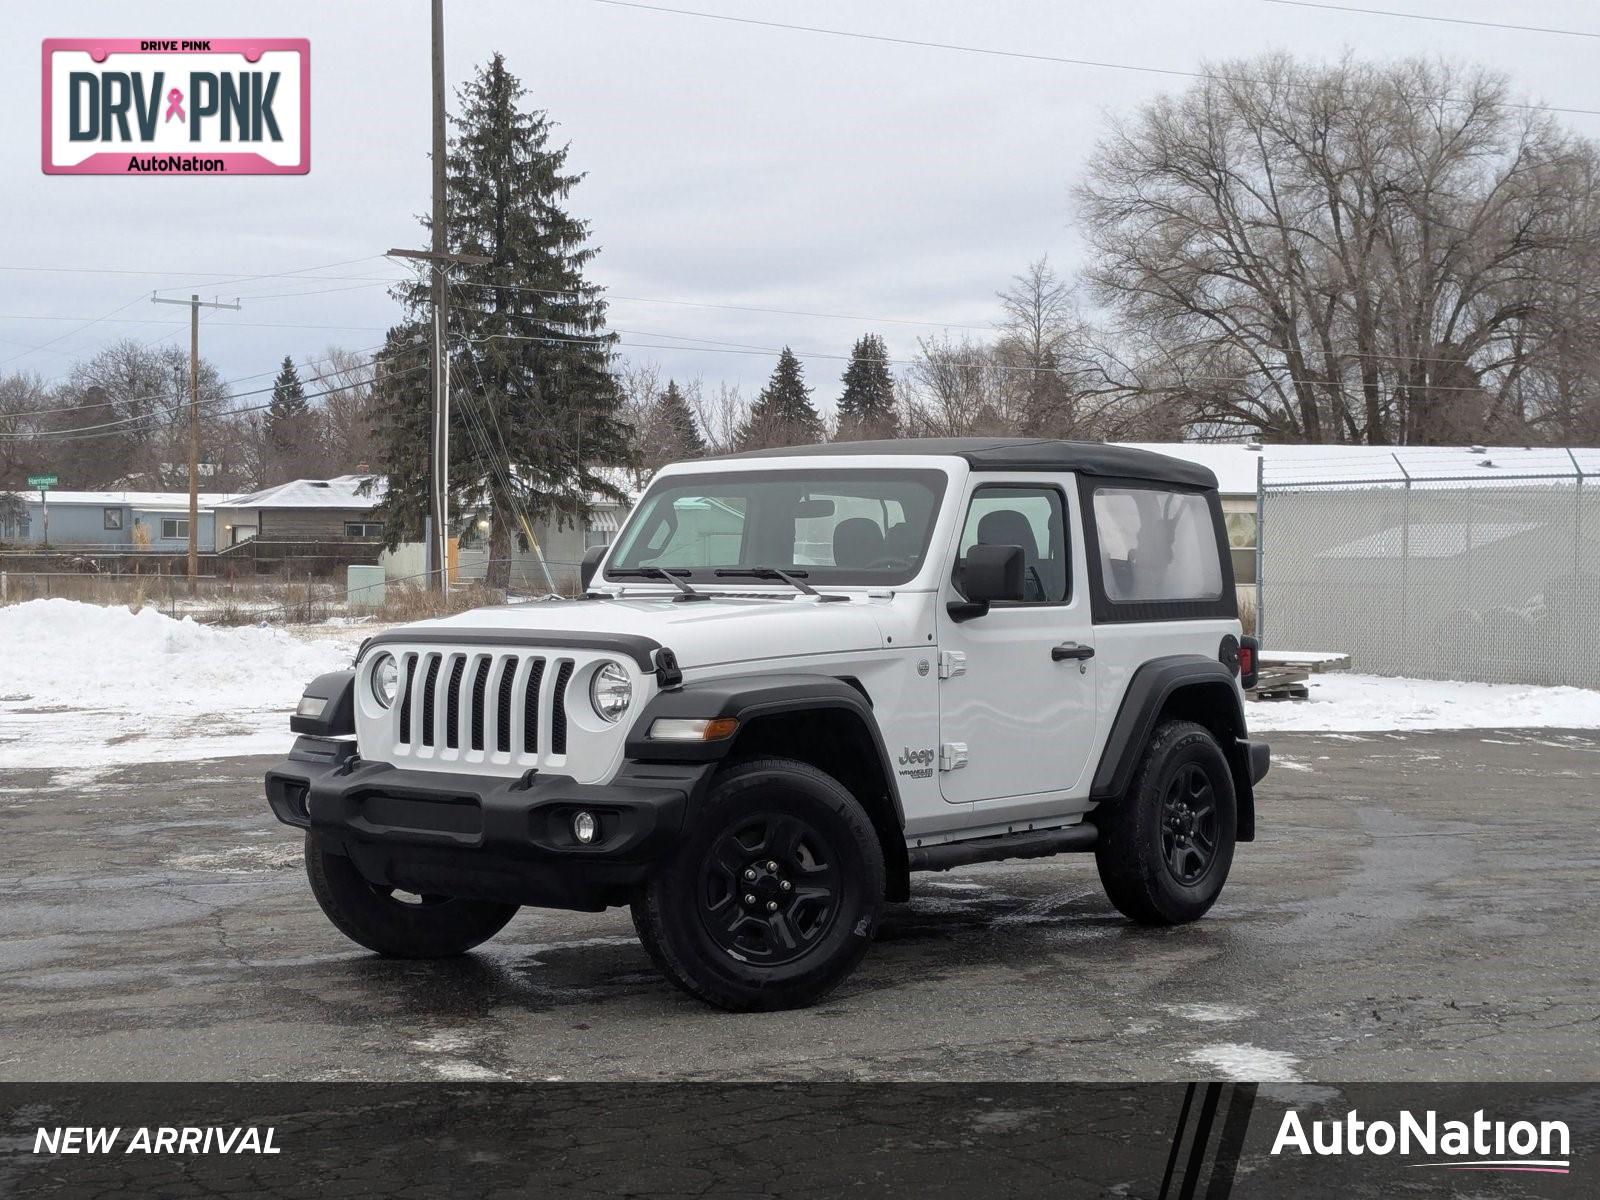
1283, 674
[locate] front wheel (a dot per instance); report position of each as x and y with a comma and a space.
1165, 848
395, 923
772, 898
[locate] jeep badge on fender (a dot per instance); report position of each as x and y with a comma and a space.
730, 733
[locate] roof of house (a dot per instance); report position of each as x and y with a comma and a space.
1235, 465
1022, 454
150, 500
343, 491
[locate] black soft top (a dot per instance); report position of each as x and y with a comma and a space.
1019, 454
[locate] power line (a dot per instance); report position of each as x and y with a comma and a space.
1385, 12
87, 322
297, 271
218, 278
1267, 373
1012, 54
215, 276
781, 312
362, 282
310, 364
122, 425
176, 324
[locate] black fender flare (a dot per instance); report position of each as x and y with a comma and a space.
748, 697
338, 715
1152, 687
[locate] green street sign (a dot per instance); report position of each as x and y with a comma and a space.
41, 482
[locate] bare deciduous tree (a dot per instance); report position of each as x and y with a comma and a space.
1037, 333
1352, 253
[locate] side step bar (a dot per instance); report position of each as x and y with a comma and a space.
1040, 843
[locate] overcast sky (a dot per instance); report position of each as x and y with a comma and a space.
727, 164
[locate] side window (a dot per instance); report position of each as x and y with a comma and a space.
1156, 545
1242, 545
1033, 518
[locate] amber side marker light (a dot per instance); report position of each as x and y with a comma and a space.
679, 729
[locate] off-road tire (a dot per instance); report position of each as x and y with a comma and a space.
687, 917
1139, 839
371, 916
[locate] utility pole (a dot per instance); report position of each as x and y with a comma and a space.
195, 305
436, 529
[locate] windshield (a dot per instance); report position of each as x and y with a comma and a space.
837, 526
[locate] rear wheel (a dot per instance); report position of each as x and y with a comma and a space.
395, 923
772, 897
1165, 849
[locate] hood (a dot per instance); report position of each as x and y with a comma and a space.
703, 633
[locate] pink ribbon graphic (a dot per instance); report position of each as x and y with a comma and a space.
175, 106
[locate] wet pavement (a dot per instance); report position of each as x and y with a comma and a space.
1418, 907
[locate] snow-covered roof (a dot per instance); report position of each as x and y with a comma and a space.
1235, 465
1431, 539
619, 478
150, 500
343, 491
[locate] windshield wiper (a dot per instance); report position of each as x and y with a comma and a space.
661, 573
794, 579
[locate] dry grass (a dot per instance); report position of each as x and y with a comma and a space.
246, 602
212, 602
404, 602
1247, 612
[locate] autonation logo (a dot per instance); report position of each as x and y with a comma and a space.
177, 106
1476, 1145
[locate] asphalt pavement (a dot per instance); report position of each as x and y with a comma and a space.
1417, 907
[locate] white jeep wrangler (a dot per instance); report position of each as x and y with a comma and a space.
796, 677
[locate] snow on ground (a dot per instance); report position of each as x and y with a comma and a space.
1242, 1061
84, 686
1344, 703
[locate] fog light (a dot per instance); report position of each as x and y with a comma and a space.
585, 828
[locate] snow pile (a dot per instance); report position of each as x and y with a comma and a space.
1342, 703
82, 684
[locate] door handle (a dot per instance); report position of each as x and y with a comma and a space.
1068, 650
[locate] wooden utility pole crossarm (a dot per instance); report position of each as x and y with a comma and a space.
195, 305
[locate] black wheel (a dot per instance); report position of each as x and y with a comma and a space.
396, 923
1165, 847
773, 896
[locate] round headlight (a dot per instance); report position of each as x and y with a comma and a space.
385, 679
610, 691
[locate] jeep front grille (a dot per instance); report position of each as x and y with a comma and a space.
485, 701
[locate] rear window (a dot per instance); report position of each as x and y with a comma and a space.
1156, 545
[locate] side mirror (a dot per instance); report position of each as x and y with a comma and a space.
591, 564
988, 574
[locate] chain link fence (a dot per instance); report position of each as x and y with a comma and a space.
1493, 579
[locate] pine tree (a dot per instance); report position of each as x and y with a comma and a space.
782, 414
288, 420
867, 405
676, 421
535, 410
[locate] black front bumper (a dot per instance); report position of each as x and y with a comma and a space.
485, 837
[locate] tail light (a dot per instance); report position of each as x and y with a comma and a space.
1249, 654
